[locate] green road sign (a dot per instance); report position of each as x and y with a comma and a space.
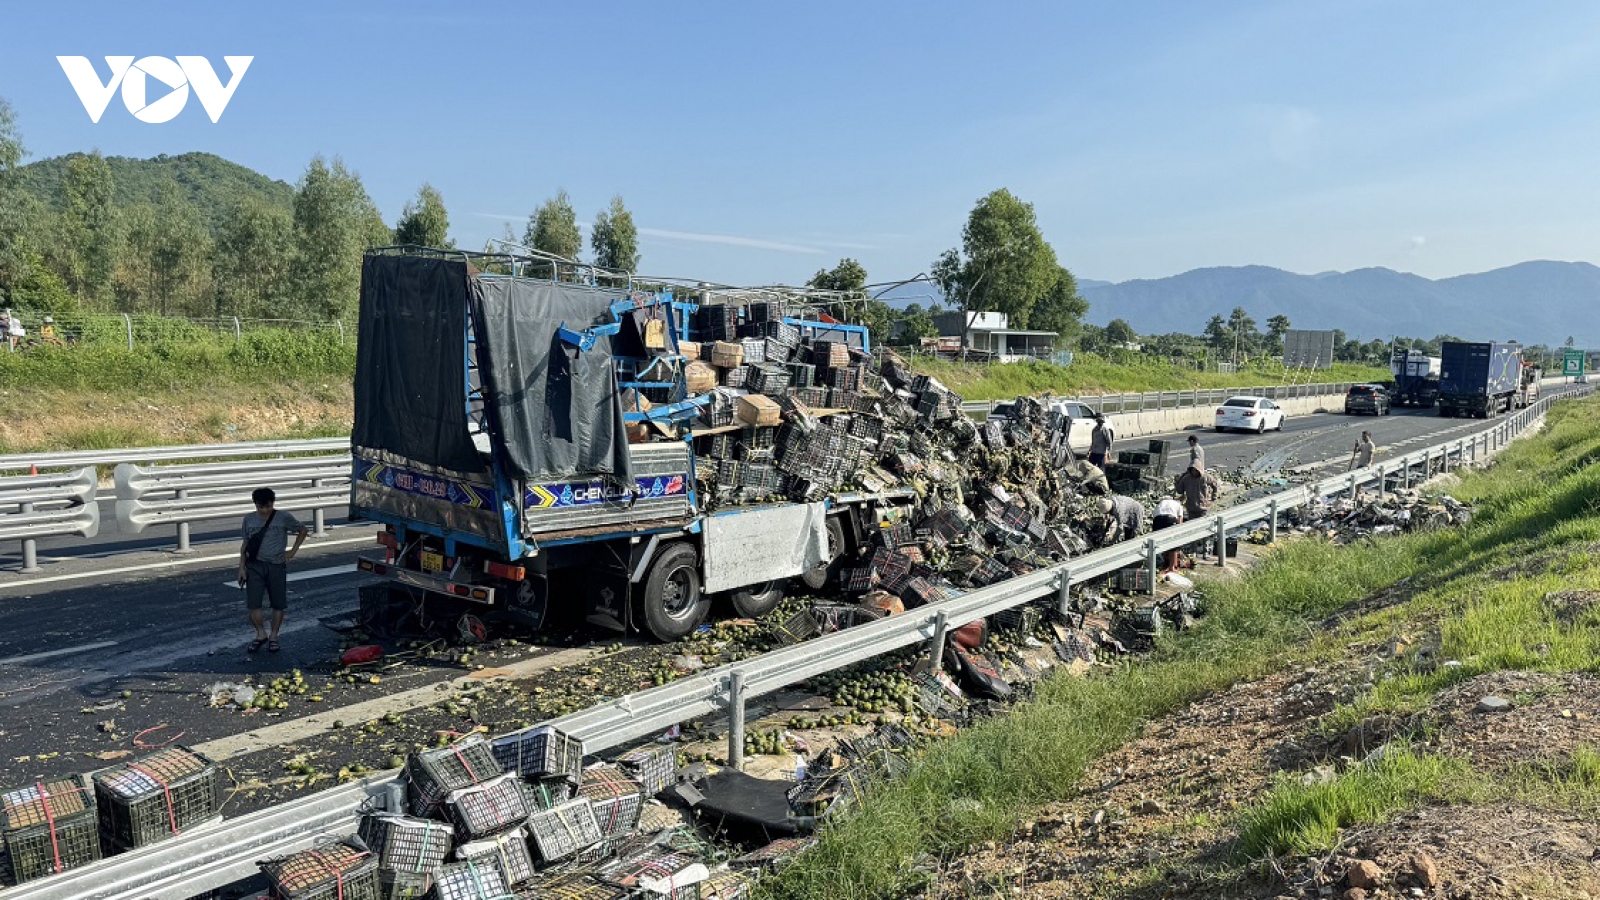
1572, 363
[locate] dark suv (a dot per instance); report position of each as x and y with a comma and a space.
1366, 398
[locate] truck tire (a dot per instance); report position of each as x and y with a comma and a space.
817, 577
674, 605
757, 600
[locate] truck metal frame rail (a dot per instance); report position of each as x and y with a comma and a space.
210, 858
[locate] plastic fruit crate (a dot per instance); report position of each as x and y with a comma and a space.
577, 887
510, 850
49, 827
542, 752
473, 879
655, 766
154, 798
406, 843
659, 874
562, 831
488, 808
617, 799
333, 871
431, 775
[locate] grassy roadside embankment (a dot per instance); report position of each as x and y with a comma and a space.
193, 388
1479, 593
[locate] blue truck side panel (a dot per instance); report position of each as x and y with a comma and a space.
1478, 369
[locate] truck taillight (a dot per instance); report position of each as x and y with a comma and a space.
501, 570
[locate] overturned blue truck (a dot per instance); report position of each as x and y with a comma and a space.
527, 435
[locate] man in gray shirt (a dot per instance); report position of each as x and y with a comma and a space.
263, 564
1197, 453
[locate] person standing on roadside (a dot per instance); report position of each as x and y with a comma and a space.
1100, 440
1198, 489
1197, 453
263, 565
1169, 512
1361, 456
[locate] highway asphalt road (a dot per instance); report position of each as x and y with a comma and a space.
124, 613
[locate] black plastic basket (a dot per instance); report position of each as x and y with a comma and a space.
778, 352
616, 798
542, 752
332, 871
668, 869
823, 794
49, 827
488, 808
768, 378
938, 701
770, 312
394, 885
577, 887
1018, 619
847, 378
544, 793
431, 775
773, 855
479, 879
562, 831
755, 350
509, 850
655, 766
802, 626
150, 800
406, 843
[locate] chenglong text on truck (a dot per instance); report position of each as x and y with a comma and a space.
531, 446
1481, 379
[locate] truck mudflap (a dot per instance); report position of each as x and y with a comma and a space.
378, 563
756, 545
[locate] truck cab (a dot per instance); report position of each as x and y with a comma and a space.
536, 451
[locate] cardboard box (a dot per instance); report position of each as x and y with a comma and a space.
757, 409
727, 354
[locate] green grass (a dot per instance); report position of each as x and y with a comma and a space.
1128, 373
192, 359
1538, 501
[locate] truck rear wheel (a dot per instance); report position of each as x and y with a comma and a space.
673, 601
757, 600
816, 578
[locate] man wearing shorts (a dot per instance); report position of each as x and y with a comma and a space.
264, 562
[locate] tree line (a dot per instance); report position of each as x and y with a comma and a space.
260, 259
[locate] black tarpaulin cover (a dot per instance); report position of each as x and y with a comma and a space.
554, 409
411, 361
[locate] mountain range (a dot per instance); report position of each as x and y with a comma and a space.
1538, 302
206, 180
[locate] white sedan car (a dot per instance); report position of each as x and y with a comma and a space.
1256, 414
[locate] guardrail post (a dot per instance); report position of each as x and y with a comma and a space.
1222, 544
1383, 483
1405, 476
1064, 592
237, 335
1151, 562
128, 323
1352, 487
736, 721
183, 527
1272, 520
30, 547
941, 626
318, 517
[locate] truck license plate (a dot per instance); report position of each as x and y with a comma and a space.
432, 562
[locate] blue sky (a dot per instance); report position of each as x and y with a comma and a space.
757, 142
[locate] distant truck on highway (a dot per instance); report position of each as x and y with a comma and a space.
1416, 379
1481, 379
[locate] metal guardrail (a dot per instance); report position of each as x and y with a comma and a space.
78, 458
205, 860
179, 495
36, 506
1159, 400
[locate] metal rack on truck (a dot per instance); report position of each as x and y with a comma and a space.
536, 446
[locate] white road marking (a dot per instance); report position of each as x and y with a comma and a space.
169, 564
307, 575
66, 651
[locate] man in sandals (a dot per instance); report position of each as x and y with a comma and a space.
263, 565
